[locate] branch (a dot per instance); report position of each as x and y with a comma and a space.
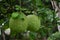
54, 5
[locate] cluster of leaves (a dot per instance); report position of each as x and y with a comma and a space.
55, 36
48, 18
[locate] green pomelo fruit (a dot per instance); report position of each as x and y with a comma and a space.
18, 24
33, 23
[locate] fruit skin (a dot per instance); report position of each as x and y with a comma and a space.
18, 23
33, 23
55, 36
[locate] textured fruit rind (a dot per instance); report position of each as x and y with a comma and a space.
33, 23
18, 25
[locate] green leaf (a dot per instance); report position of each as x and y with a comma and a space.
15, 14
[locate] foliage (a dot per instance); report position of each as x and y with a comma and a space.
46, 21
55, 36
42, 8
